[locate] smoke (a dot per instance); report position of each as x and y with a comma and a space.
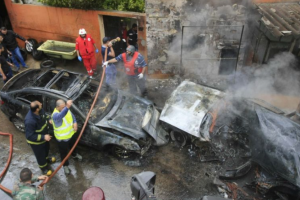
208, 26
280, 75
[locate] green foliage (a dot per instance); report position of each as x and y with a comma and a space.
122, 5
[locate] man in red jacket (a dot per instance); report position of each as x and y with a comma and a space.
85, 51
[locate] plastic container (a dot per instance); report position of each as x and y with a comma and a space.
58, 49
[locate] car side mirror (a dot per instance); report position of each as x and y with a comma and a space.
142, 186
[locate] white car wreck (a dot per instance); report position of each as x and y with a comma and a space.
187, 108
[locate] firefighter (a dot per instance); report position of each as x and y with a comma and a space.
135, 68
65, 125
36, 128
111, 70
85, 51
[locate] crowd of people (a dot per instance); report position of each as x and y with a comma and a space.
63, 121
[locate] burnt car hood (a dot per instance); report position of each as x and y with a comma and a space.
135, 117
188, 105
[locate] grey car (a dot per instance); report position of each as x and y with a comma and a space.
121, 122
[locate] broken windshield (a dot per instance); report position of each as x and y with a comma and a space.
104, 103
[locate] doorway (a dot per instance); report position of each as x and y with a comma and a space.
4, 18
117, 27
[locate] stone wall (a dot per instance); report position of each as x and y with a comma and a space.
165, 20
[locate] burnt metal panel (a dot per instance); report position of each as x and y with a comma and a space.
281, 19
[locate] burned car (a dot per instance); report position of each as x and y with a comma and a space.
239, 133
122, 122
261, 133
186, 108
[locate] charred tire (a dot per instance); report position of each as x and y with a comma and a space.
179, 137
30, 48
120, 152
19, 124
23, 53
47, 64
37, 55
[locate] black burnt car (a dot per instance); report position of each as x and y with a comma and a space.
119, 121
249, 132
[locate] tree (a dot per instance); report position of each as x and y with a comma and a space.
121, 5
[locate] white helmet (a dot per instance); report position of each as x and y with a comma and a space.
82, 31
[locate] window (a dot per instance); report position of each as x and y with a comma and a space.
45, 79
64, 82
28, 98
50, 104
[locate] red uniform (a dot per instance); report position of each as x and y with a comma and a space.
86, 50
129, 65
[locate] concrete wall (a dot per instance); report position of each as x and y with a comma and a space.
50, 23
165, 20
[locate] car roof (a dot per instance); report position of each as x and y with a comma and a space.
59, 81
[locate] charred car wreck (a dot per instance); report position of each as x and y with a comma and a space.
119, 121
245, 135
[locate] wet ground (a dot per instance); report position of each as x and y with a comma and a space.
179, 173
178, 176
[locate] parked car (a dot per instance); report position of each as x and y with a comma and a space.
119, 121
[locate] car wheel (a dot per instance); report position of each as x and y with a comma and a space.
19, 124
37, 55
47, 64
120, 152
23, 53
29, 48
179, 137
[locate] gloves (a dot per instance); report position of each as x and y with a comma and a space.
79, 58
105, 64
140, 76
97, 50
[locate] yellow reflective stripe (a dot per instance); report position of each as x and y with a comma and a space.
59, 135
67, 125
39, 137
43, 127
41, 166
30, 142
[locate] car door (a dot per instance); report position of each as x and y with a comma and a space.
49, 106
22, 106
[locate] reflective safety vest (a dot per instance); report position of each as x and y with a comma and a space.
129, 65
65, 131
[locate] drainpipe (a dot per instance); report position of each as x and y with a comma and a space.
266, 57
292, 46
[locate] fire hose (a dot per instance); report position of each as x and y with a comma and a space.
8, 160
70, 152
81, 132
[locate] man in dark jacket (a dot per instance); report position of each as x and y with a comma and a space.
3, 49
5, 69
9, 40
132, 37
36, 128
